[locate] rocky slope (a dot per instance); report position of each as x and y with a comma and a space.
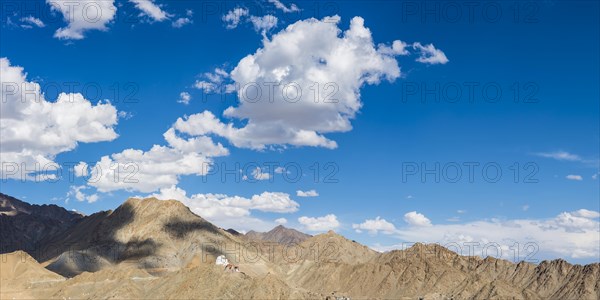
433, 270
148, 233
279, 234
24, 226
22, 277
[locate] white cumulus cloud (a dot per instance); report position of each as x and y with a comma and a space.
77, 193
264, 23
232, 211
82, 16
430, 55
213, 82
416, 219
33, 130
184, 97
324, 223
159, 167
276, 86
585, 213
398, 48
233, 17
145, 171
373, 226
258, 174
81, 169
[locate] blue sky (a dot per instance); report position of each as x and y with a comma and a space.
445, 85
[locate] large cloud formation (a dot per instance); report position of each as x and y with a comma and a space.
303, 83
232, 211
159, 167
33, 130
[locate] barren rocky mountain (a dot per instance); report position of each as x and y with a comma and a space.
150, 234
24, 226
154, 249
279, 234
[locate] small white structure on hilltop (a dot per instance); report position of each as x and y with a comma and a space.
222, 260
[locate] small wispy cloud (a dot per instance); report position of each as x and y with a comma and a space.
281, 170
258, 174
184, 97
560, 155
31, 20
574, 177
430, 54
181, 22
286, 9
311, 193
233, 17
152, 10
565, 156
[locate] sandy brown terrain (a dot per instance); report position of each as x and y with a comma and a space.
153, 249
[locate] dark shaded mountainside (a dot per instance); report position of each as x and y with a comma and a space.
154, 249
279, 234
28, 227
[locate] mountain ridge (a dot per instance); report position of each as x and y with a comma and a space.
150, 248
279, 234
24, 226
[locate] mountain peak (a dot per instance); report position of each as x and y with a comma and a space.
279, 234
145, 206
153, 200
147, 232
279, 227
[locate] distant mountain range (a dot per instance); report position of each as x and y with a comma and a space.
28, 227
149, 248
279, 234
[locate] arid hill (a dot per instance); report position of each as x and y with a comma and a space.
434, 270
279, 234
20, 274
154, 249
149, 234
